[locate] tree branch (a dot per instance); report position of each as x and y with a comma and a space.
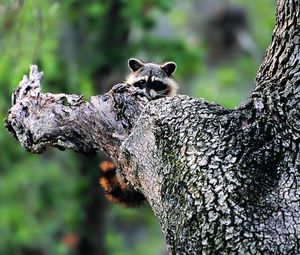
282, 56
39, 120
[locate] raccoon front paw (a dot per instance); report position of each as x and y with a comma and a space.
116, 190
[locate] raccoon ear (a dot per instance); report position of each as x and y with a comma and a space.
135, 64
169, 68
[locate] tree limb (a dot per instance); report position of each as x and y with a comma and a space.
65, 121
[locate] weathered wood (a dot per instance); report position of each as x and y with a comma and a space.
39, 119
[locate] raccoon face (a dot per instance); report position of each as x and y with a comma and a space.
154, 80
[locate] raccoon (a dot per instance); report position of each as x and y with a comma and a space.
153, 80
115, 189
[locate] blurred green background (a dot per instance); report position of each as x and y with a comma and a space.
51, 203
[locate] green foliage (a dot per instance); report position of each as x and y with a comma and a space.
38, 203
262, 19
227, 84
81, 46
129, 238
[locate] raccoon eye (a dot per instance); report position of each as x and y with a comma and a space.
158, 85
140, 84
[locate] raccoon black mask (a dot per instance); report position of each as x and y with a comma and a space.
154, 80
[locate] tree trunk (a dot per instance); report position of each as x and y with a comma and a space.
220, 181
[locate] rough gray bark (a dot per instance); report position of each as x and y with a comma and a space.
220, 181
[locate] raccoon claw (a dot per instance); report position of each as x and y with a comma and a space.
120, 87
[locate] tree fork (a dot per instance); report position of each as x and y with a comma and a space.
218, 180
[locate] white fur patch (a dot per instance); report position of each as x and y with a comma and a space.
153, 93
131, 79
173, 87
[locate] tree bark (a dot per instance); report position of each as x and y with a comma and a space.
220, 181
